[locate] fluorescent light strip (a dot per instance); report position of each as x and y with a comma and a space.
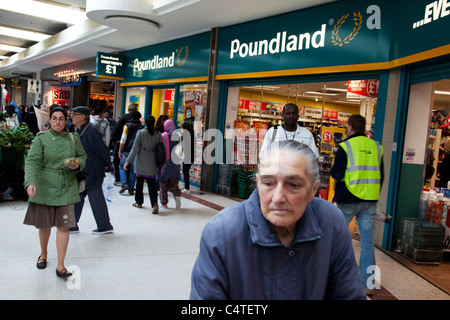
321, 93
6, 47
42, 10
22, 34
442, 92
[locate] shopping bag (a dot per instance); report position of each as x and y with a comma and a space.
108, 187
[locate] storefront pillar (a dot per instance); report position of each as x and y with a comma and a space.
212, 111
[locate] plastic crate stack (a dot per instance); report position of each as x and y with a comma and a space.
420, 240
247, 183
227, 179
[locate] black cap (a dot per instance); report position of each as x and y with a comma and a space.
82, 110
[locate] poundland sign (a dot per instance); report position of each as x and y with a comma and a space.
342, 36
181, 59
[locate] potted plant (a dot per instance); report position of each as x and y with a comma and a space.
13, 143
15, 137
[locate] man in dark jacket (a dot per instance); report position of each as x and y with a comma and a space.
358, 171
115, 138
97, 163
130, 129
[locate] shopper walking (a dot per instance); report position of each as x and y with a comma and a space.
170, 172
116, 136
143, 154
98, 162
281, 243
130, 129
289, 130
51, 184
358, 171
188, 142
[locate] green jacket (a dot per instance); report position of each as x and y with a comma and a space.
56, 184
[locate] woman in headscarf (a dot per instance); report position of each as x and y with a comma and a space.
170, 171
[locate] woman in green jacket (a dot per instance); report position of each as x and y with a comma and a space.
51, 184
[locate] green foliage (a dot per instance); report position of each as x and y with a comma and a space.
16, 137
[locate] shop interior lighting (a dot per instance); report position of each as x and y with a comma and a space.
271, 88
70, 15
23, 34
6, 47
321, 93
442, 92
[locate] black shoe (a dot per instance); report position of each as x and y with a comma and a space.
103, 231
41, 263
74, 230
63, 274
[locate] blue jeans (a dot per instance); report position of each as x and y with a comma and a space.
127, 176
365, 213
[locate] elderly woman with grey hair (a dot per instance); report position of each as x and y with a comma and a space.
281, 243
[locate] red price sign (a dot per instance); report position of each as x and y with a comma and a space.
327, 136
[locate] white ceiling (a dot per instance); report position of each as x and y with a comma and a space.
84, 40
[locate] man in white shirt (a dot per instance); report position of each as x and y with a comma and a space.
289, 130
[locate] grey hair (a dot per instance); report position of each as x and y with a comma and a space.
298, 148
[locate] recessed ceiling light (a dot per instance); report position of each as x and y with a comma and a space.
7, 47
23, 34
70, 15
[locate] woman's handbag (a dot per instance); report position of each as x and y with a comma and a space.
160, 154
81, 175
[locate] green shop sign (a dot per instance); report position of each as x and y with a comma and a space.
110, 66
339, 37
182, 60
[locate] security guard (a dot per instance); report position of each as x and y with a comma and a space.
358, 171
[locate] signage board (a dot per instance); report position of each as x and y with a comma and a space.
184, 58
343, 36
110, 66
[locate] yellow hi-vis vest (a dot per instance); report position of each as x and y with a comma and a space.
363, 175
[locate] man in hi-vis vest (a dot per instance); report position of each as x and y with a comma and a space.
358, 171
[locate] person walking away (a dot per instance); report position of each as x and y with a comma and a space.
52, 187
188, 142
102, 125
358, 171
169, 177
116, 136
98, 162
289, 130
143, 154
130, 129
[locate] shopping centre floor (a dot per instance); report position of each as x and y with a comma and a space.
148, 256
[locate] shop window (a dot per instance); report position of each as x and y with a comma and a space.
136, 95
324, 108
191, 108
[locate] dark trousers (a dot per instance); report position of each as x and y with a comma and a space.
186, 177
98, 206
152, 191
116, 161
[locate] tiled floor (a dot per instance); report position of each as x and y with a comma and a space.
147, 257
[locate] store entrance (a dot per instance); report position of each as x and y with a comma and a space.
422, 230
324, 108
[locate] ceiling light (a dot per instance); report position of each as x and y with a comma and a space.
22, 34
47, 11
7, 47
321, 93
442, 92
